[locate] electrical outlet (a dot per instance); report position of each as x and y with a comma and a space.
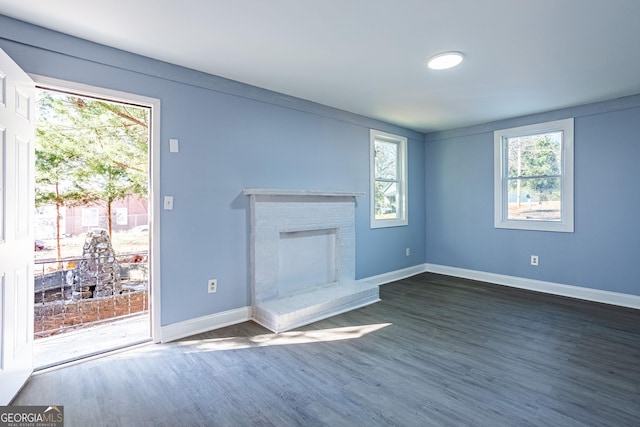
213, 285
534, 260
407, 251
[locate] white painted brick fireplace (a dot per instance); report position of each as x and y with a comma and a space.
303, 257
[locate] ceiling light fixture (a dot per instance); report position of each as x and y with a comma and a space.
445, 60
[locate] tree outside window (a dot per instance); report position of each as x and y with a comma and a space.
388, 180
533, 187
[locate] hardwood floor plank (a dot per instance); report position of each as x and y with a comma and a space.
435, 351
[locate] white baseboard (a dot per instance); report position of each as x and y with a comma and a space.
198, 325
588, 294
219, 320
392, 276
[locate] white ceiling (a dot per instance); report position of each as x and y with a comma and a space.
368, 56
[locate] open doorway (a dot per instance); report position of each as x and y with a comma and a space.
92, 225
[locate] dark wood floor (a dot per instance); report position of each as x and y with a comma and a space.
435, 351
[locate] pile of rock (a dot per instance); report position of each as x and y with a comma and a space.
98, 271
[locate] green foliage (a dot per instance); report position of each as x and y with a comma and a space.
116, 164
535, 164
89, 151
386, 171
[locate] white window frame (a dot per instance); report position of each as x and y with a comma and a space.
401, 181
500, 138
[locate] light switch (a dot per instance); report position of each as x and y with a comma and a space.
168, 203
173, 145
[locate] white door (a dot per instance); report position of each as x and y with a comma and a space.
17, 97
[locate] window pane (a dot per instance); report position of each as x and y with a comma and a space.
535, 199
535, 155
89, 217
386, 200
122, 217
386, 160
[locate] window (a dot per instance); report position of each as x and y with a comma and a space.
122, 216
534, 177
89, 217
388, 179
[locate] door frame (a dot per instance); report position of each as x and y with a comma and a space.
154, 176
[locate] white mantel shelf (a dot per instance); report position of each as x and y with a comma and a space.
279, 192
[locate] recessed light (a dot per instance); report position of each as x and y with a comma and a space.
445, 60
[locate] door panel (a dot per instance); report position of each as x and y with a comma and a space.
2, 180
3, 292
22, 336
17, 98
23, 169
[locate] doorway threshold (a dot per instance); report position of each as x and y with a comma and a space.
71, 346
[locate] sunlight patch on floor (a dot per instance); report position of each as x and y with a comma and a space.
283, 338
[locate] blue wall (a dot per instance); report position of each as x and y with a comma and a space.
232, 136
603, 252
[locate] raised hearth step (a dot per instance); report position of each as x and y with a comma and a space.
283, 314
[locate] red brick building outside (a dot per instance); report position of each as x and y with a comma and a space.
126, 214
